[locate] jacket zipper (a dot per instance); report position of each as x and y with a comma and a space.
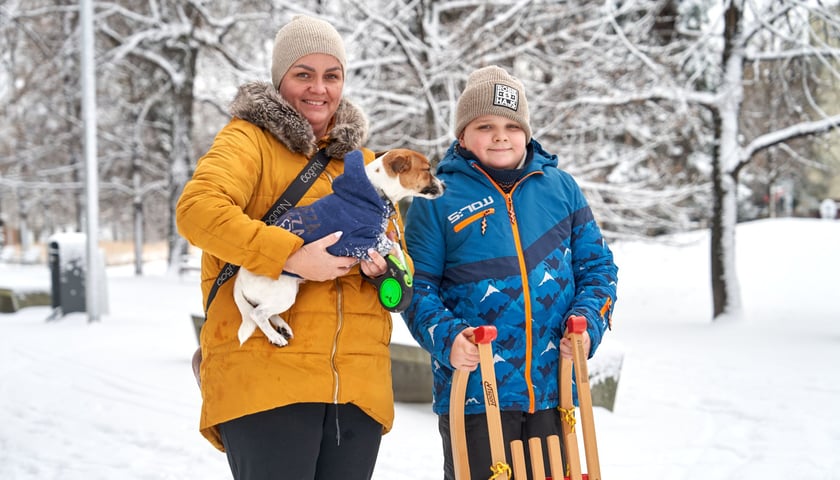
526, 288
340, 321
340, 324
526, 292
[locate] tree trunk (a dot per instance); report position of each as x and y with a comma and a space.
138, 215
726, 297
725, 289
181, 161
719, 298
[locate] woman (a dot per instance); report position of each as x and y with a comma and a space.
316, 408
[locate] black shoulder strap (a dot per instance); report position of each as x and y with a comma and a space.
287, 200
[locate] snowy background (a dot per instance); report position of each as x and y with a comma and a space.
750, 398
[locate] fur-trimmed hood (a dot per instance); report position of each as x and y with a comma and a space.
261, 104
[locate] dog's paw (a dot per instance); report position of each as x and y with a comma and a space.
277, 339
286, 332
282, 327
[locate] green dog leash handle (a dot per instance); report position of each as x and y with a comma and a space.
395, 286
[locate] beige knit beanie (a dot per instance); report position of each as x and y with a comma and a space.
300, 37
492, 91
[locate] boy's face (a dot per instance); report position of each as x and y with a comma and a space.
498, 142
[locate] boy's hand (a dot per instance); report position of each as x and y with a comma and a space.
566, 346
464, 354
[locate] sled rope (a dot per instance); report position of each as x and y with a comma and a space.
568, 416
498, 469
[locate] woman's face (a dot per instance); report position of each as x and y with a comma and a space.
498, 142
313, 86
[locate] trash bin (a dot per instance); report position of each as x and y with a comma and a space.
67, 258
828, 209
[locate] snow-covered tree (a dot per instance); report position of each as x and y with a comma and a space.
161, 40
39, 136
660, 69
780, 32
667, 112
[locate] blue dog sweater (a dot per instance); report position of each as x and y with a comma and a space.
354, 208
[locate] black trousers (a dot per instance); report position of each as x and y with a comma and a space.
515, 425
304, 441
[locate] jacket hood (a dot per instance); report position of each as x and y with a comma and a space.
260, 103
455, 159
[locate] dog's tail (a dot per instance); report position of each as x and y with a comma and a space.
246, 329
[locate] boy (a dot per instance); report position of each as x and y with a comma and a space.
512, 243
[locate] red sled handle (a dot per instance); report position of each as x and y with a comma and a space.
576, 324
484, 334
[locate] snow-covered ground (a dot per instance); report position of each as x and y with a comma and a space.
752, 398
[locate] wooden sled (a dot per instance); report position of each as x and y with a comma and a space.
500, 469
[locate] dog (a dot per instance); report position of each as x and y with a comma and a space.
364, 198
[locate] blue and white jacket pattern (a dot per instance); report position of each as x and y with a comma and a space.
523, 262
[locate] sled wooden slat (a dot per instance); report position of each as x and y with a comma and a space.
517, 452
555, 457
537, 462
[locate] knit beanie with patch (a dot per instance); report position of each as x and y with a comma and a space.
303, 36
492, 91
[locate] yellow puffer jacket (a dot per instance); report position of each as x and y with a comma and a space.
339, 353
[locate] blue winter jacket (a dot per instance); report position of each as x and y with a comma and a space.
523, 262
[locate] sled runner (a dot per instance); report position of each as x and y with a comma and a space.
500, 469
575, 326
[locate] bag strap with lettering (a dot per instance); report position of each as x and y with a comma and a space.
285, 202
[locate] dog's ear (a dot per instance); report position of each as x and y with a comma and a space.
379, 154
399, 163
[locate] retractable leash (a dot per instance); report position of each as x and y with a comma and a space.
395, 286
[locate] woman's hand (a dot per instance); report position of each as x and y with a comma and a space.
464, 354
313, 261
374, 267
377, 265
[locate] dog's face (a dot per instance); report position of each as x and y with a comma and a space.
402, 173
